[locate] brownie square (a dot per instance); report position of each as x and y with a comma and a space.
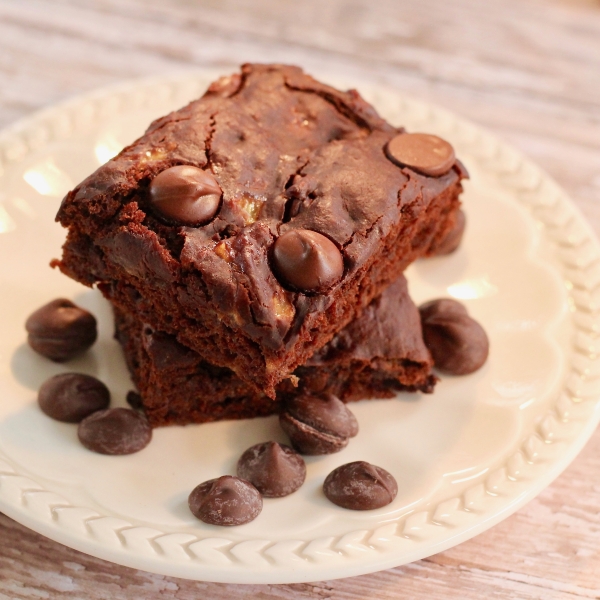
378, 354
303, 221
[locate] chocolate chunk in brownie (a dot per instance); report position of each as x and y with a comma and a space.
190, 227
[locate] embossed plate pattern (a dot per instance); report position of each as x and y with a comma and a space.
465, 457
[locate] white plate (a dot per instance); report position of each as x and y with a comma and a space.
465, 457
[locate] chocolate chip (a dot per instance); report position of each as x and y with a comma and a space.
134, 400
307, 261
274, 470
458, 343
225, 501
318, 424
446, 306
422, 152
71, 397
360, 486
115, 431
451, 241
61, 330
185, 195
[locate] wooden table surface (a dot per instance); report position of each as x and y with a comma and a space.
528, 70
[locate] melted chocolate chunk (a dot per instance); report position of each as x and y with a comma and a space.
115, 431
425, 153
307, 261
274, 470
71, 397
360, 486
185, 195
61, 330
458, 343
453, 238
318, 424
225, 501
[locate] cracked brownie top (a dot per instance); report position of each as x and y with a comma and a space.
274, 188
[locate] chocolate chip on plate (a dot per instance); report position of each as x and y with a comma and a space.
318, 424
115, 431
61, 330
451, 241
71, 397
428, 154
226, 501
360, 486
458, 343
273, 469
307, 261
185, 195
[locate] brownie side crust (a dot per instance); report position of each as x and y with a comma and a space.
288, 153
378, 354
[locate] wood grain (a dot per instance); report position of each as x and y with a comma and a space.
527, 69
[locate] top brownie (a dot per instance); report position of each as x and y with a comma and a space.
259, 220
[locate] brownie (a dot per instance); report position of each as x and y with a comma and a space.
378, 354
258, 221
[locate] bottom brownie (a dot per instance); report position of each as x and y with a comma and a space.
378, 354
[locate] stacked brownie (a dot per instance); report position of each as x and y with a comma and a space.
381, 352
253, 243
